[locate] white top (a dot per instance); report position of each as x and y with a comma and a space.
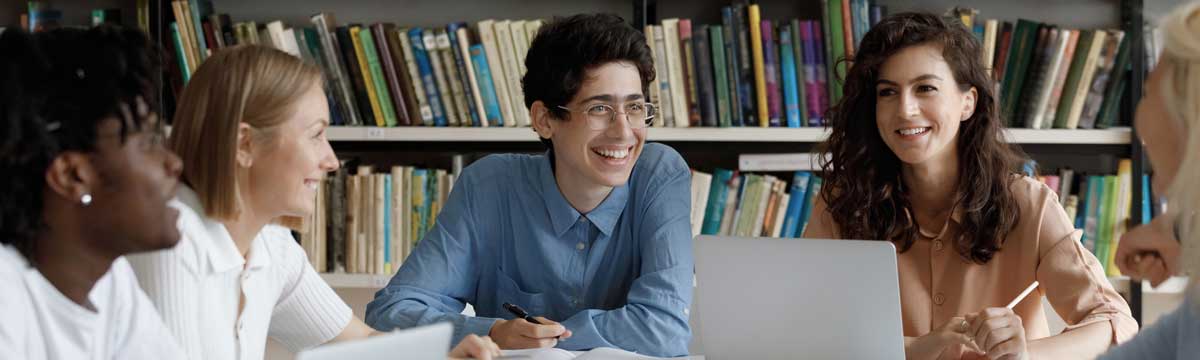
197, 286
39, 322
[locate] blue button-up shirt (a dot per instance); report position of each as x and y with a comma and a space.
619, 276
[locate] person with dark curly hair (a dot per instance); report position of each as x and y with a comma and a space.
593, 237
918, 158
86, 180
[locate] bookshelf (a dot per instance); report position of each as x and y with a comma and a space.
1115, 136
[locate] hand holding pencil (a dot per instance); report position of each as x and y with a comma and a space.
999, 332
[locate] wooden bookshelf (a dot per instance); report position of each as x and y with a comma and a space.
1115, 136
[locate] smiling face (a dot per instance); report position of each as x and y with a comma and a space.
919, 105
288, 167
137, 178
598, 158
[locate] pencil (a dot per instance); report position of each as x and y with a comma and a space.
1025, 293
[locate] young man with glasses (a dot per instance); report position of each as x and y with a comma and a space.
591, 239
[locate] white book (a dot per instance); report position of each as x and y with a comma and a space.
380, 223
531, 29
366, 238
764, 196
700, 185
1085, 79
1038, 119
430, 38
464, 47
1060, 81
781, 162
520, 43
664, 84
675, 71
397, 246
780, 213
415, 74
989, 43
283, 38
453, 79
487, 36
406, 223
512, 72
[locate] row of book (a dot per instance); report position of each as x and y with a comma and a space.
752, 71
730, 203
1054, 77
368, 222
383, 75
40, 16
1101, 206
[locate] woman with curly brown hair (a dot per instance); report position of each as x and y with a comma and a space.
918, 158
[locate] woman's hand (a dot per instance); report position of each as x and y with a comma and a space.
1149, 252
952, 334
476, 347
999, 333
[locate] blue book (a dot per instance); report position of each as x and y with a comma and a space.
483, 74
729, 32
1030, 168
426, 69
200, 10
718, 193
387, 224
461, 64
791, 92
1081, 209
1146, 199
799, 194
183, 65
1091, 225
877, 14
810, 197
977, 30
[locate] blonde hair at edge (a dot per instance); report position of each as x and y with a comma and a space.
248, 84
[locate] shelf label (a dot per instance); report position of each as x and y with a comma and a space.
374, 133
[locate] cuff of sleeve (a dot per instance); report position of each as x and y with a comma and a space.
1123, 326
584, 334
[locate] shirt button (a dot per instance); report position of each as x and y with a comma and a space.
582, 220
580, 246
939, 299
937, 245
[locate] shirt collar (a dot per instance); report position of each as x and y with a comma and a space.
222, 253
563, 215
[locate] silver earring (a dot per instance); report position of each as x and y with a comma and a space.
86, 199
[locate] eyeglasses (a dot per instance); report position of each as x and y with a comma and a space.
601, 116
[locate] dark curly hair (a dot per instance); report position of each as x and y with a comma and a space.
566, 48
55, 89
862, 176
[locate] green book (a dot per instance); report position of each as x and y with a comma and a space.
1082, 48
798, 55
747, 205
183, 65
381, 87
1110, 108
1095, 189
834, 39
716, 35
1108, 219
1020, 54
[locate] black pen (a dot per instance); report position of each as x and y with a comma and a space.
520, 313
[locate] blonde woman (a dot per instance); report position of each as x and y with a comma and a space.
1168, 118
250, 130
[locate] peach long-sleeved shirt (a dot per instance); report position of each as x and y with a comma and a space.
936, 283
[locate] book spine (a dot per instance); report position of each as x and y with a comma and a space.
792, 216
194, 13
379, 81
396, 39
665, 96
415, 37
1104, 66
675, 70
1116, 89
836, 45
368, 80
395, 87
512, 73
798, 72
464, 44
720, 75
717, 193
847, 29
810, 198
790, 95
487, 90
760, 75
453, 80
487, 36
444, 94
466, 78
732, 69
704, 74
1064, 68
747, 90
655, 96
365, 116
812, 71
179, 53
416, 81
690, 74
772, 74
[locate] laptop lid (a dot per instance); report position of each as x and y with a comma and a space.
770, 298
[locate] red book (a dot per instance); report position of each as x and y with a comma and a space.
848, 29
1002, 51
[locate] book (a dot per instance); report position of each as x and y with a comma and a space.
705, 84
1049, 79
458, 93
834, 40
1109, 109
179, 52
791, 96
690, 79
813, 72
721, 76
367, 76
675, 70
732, 68
1122, 213
733, 194
416, 40
848, 29
756, 56
199, 9
1020, 55
747, 87
1091, 227
512, 73
410, 113
1107, 220
354, 72
799, 192
1097, 90
701, 182
989, 43
771, 73
445, 94
334, 69
810, 198
799, 71
487, 90
654, 92
718, 194
460, 45
1041, 56
1085, 78
666, 102
380, 84
1066, 100
387, 61
414, 75
487, 37
1055, 98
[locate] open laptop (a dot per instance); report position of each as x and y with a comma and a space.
422, 343
770, 298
